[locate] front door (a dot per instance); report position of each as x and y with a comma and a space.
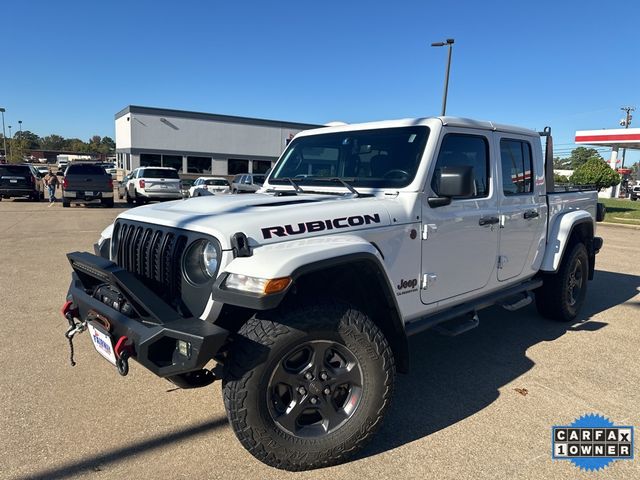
523, 207
460, 251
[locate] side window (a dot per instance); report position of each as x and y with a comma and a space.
517, 168
460, 150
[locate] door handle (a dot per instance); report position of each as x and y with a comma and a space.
529, 214
488, 221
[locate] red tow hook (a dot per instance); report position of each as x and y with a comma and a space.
123, 351
69, 311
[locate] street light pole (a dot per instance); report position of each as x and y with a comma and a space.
4, 135
449, 43
20, 126
10, 141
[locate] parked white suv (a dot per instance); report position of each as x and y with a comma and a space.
153, 183
304, 295
209, 186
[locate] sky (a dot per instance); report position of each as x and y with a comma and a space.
69, 65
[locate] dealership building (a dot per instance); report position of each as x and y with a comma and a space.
200, 143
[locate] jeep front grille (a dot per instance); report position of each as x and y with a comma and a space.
153, 254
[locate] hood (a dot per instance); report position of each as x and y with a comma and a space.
266, 218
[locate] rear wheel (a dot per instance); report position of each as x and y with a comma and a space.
66, 204
562, 294
307, 387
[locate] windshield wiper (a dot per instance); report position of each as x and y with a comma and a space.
336, 180
293, 183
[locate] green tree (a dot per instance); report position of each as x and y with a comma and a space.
32, 140
581, 155
596, 171
560, 178
52, 142
108, 144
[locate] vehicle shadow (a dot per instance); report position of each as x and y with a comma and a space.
451, 379
98, 461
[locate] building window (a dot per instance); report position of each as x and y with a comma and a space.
150, 160
173, 161
199, 164
261, 166
237, 166
517, 171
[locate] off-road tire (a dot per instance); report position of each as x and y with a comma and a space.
554, 298
262, 345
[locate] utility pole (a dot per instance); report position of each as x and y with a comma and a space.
625, 122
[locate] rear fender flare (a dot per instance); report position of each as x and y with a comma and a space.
560, 235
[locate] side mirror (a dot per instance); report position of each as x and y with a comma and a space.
452, 182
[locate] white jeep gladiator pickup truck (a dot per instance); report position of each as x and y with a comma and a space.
300, 297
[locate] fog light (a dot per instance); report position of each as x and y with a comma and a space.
184, 348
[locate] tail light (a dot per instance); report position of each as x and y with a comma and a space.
141, 183
65, 183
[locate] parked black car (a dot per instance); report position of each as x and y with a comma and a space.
87, 183
20, 181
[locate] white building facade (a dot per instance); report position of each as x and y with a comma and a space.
197, 143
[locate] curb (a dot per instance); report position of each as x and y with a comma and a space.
619, 225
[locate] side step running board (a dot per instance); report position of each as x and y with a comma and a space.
516, 303
430, 321
453, 328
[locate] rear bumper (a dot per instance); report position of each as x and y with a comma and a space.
81, 196
17, 192
161, 195
154, 330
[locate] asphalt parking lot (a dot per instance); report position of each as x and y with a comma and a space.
476, 406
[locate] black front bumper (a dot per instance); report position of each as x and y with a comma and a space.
153, 328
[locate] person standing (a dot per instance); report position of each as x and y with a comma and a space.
52, 182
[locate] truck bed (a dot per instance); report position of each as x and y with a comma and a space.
562, 202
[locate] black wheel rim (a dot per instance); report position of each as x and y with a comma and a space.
576, 279
314, 389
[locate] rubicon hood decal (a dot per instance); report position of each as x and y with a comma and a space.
319, 225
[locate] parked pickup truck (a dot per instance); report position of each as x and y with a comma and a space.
87, 183
302, 296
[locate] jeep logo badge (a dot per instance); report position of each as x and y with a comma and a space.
407, 284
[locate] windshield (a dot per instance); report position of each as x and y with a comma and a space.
380, 158
14, 170
159, 173
216, 182
84, 169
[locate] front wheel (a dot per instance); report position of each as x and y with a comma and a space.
562, 293
306, 387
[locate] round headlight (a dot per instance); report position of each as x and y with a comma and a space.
210, 258
201, 261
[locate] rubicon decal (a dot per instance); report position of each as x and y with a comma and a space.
319, 225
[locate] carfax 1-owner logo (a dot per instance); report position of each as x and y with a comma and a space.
592, 442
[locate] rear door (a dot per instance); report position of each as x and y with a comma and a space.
161, 180
16, 177
460, 249
523, 206
87, 178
